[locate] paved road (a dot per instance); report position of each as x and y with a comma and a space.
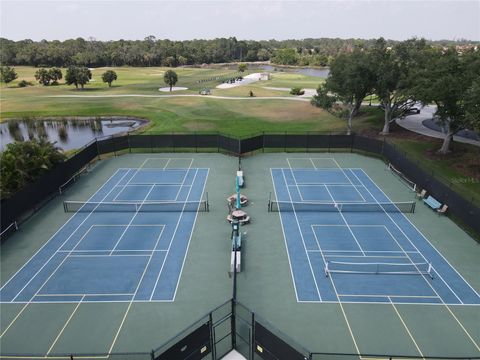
414, 123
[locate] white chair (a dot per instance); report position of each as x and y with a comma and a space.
421, 194
442, 210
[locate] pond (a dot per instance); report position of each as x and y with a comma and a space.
68, 133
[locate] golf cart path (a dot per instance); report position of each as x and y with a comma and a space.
414, 123
183, 95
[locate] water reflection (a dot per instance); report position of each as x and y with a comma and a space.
68, 133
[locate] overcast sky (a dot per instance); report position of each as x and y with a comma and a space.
183, 20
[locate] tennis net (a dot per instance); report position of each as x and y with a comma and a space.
147, 206
389, 207
409, 183
423, 268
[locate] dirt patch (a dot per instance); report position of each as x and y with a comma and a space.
465, 162
279, 112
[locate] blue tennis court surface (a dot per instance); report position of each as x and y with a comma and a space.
368, 256
117, 256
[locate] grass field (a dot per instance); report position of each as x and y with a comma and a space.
236, 116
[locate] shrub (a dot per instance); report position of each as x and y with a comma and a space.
297, 91
24, 83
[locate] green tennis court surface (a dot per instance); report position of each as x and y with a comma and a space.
441, 326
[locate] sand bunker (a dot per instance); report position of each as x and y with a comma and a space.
175, 88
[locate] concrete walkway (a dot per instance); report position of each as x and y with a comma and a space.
414, 123
184, 95
308, 92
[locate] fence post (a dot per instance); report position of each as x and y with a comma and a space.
233, 322
173, 141
152, 355
285, 142
306, 141
263, 141
98, 150
252, 341
128, 141
352, 137
212, 340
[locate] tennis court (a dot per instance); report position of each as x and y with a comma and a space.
348, 242
127, 243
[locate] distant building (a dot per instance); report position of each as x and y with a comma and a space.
264, 76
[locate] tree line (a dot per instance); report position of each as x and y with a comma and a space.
403, 77
155, 52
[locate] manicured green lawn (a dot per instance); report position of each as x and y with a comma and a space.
236, 117
230, 116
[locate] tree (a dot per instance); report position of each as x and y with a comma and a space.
451, 81
323, 99
170, 78
285, 57
182, 60
7, 74
43, 76
23, 162
109, 76
55, 75
351, 79
77, 76
395, 76
242, 67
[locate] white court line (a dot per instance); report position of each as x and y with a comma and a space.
131, 221
300, 301
153, 183
313, 163
137, 170
68, 238
351, 186
135, 294
27, 303
180, 188
350, 180
285, 239
336, 294
88, 294
191, 234
425, 238
107, 255
361, 256
166, 164
122, 250
64, 326
323, 184
348, 226
448, 308
301, 235
68, 254
56, 232
173, 236
392, 295
406, 328
150, 183
412, 244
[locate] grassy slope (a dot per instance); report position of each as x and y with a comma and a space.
236, 117
172, 114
